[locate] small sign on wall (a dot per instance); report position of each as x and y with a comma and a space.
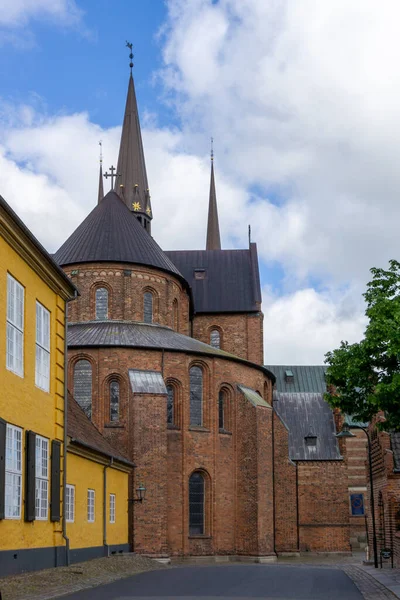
357, 505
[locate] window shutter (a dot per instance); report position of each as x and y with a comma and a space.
30, 476
55, 481
3, 431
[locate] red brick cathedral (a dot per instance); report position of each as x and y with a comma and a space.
166, 358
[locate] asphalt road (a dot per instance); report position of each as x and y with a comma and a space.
239, 582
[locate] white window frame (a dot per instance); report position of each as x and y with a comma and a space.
13, 487
15, 326
70, 503
42, 478
112, 508
42, 364
91, 499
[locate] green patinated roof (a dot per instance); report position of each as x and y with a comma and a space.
352, 422
253, 397
306, 379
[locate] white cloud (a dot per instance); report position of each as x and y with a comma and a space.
15, 13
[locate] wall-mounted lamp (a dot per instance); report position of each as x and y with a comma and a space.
140, 493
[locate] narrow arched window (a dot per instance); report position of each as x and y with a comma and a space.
196, 396
83, 385
170, 404
215, 338
114, 400
196, 504
101, 303
175, 322
148, 307
221, 409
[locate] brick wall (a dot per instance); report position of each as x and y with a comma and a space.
241, 334
126, 285
357, 457
323, 506
285, 476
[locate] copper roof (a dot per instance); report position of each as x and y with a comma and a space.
112, 233
83, 432
213, 236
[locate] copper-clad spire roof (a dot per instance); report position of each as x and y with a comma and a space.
213, 237
131, 184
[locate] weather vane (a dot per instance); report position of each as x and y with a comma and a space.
101, 151
212, 148
130, 46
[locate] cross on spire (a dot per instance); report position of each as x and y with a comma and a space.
112, 175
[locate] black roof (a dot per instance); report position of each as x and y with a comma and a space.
230, 282
305, 413
143, 335
304, 378
112, 233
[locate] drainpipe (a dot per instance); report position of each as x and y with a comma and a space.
64, 516
105, 505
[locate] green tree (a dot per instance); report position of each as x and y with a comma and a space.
366, 376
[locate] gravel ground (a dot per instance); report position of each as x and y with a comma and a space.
51, 583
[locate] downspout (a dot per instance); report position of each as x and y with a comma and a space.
105, 505
64, 516
297, 507
273, 478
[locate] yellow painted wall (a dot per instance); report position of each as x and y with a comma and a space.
21, 402
84, 473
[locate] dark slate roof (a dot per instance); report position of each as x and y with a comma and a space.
304, 413
147, 382
231, 279
305, 378
143, 335
395, 442
83, 432
112, 233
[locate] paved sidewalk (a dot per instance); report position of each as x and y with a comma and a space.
388, 577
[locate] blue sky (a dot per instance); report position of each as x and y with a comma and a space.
301, 99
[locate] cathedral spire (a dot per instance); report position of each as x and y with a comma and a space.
101, 188
131, 184
213, 237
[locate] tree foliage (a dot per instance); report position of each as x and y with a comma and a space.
365, 377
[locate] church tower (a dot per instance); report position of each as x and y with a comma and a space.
131, 182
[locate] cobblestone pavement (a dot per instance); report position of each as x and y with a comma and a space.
370, 587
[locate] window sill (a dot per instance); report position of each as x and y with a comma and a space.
200, 536
199, 428
114, 426
225, 432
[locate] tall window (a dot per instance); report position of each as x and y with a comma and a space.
221, 409
70, 503
15, 326
42, 370
175, 316
90, 505
101, 303
170, 404
196, 396
112, 508
196, 504
148, 307
114, 401
41, 478
83, 385
13, 472
215, 338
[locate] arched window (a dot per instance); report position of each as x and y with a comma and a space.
221, 409
148, 307
175, 315
114, 400
170, 404
83, 385
196, 396
196, 503
215, 338
101, 303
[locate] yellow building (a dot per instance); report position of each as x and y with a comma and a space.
34, 293
97, 490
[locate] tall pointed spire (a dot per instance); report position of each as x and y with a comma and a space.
213, 237
101, 188
132, 185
